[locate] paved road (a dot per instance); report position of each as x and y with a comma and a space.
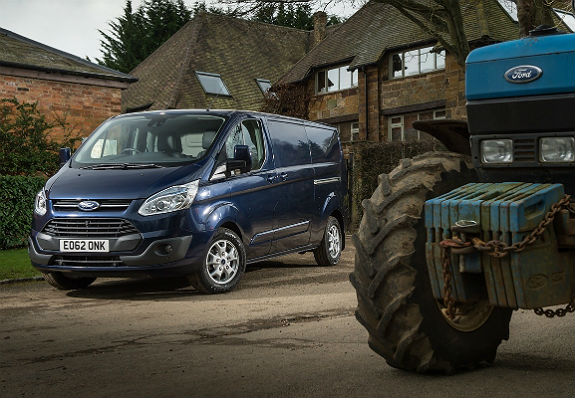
287, 331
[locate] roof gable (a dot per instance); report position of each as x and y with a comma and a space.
21, 52
377, 28
240, 51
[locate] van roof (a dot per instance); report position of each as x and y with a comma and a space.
227, 113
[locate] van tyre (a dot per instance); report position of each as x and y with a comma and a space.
395, 302
329, 250
63, 282
224, 264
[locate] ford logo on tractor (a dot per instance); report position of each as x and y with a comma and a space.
523, 74
88, 205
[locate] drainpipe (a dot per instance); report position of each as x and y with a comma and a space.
366, 104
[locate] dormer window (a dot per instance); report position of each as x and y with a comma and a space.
416, 62
264, 85
212, 83
335, 79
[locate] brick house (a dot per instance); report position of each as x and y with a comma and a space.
379, 72
216, 61
65, 86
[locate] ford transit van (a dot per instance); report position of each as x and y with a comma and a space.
191, 193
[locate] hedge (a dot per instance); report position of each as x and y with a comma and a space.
369, 160
17, 195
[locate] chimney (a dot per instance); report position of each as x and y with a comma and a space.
319, 23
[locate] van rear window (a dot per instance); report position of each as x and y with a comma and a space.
324, 144
290, 144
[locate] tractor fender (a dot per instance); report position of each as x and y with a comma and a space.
452, 133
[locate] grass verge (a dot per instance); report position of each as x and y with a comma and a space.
15, 264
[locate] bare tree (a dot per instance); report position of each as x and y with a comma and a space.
441, 19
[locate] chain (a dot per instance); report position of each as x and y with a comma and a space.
448, 299
560, 312
499, 249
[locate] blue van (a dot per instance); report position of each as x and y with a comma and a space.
190, 193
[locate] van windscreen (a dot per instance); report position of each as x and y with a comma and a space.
150, 139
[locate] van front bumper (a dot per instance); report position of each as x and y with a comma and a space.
173, 256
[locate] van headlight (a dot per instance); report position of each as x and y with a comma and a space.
497, 151
40, 207
557, 149
171, 199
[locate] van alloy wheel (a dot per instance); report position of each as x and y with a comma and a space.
222, 262
334, 241
329, 250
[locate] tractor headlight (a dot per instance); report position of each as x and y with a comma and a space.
497, 151
171, 199
557, 149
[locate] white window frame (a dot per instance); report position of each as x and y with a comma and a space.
392, 125
326, 71
436, 115
354, 130
419, 49
510, 8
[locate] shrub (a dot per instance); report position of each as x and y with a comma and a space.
26, 145
17, 195
373, 159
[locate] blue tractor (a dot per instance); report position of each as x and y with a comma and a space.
452, 242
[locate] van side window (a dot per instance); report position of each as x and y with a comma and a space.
324, 144
248, 132
290, 143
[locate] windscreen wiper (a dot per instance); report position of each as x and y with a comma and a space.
122, 166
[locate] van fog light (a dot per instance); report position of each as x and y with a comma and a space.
497, 151
557, 149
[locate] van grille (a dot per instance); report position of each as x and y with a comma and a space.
80, 227
87, 261
108, 205
524, 150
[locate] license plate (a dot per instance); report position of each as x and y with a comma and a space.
84, 246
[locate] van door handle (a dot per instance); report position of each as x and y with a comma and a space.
271, 178
283, 175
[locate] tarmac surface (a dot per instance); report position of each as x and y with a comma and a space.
288, 330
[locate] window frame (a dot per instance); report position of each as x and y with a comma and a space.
418, 49
200, 74
259, 82
325, 71
436, 116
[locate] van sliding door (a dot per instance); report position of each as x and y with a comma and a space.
294, 175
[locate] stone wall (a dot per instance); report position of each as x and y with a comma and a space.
84, 106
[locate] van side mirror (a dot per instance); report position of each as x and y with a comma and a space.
242, 159
65, 154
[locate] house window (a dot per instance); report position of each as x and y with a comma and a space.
396, 131
567, 18
415, 62
510, 7
348, 131
400, 127
264, 85
354, 130
335, 79
212, 83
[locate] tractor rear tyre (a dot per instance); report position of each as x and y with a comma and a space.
406, 324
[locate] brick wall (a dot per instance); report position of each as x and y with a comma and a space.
84, 106
331, 105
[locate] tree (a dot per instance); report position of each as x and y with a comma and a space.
299, 16
136, 34
441, 19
